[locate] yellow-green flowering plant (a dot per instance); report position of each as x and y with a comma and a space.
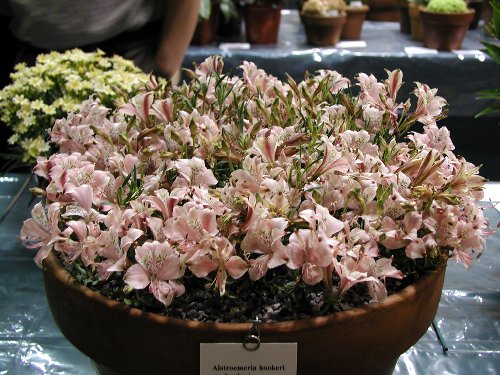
57, 84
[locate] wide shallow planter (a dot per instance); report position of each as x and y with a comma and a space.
262, 23
124, 340
445, 32
323, 31
355, 17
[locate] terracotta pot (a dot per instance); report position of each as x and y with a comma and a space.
404, 17
365, 340
417, 32
383, 10
443, 31
477, 5
206, 30
262, 23
354, 22
323, 31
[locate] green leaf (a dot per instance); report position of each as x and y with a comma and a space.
493, 50
205, 9
492, 109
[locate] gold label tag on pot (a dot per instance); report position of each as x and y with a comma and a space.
235, 359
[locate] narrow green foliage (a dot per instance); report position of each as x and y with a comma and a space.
130, 189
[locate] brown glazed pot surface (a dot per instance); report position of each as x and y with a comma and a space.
354, 22
445, 32
262, 23
323, 31
125, 340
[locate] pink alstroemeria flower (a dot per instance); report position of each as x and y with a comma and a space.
311, 251
321, 219
41, 230
164, 110
371, 89
336, 81
113, 249
218, 254
249, 178
429, 105
193, 172
139, 106
83, 195
349, 273
264, 237
191, 222
266, 144
158, 266
406, 236
379, 269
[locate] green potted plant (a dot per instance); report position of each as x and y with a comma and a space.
323, 21
355, 16
194, 210
445, 23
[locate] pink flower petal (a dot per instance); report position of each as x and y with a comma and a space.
236, 267
83, 195
137, 277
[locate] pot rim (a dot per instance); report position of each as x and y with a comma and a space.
314, 17
362, 9
52, 265
424, 10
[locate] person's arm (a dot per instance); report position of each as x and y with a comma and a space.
179, 24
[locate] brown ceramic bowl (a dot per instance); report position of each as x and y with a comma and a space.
365, 340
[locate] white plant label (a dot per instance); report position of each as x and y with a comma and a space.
234, 359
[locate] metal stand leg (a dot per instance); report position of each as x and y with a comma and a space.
443, 343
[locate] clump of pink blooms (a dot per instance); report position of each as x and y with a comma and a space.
228, 177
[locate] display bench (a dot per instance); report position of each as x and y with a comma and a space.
458, 75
